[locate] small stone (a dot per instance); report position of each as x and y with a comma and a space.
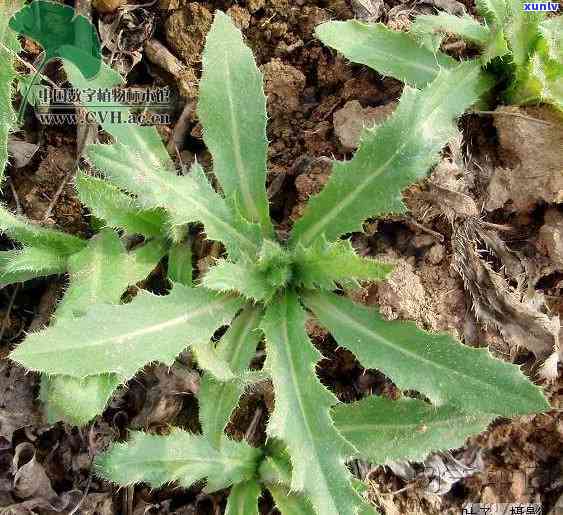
436, 254
350, 121
530, 151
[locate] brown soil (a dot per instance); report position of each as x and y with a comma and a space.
45, 468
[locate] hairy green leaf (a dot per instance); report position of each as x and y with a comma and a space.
391, 157
98, 274
9, 46
522, 32
143, 139
180, 266
551, 30
76, 401
301, 416
28, 263
407, 429
547, 77
290, 503
187, 198
464, 26
34, 235
237, 348
232, 110
117, 209
243, 277
491, 40
123, 339
243, 499
497, 46
181, 457
436, 365
495, 12
257, 280
324, 264
103, 270
388, 52
275, 472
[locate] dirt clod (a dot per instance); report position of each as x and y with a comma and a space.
284, 85
350, 121
530, 141
186, 30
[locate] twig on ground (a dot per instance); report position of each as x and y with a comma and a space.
159, 55
427, 230
8, 311
175, 143
518, 115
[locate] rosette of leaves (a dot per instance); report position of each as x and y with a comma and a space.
266, 289
522, 49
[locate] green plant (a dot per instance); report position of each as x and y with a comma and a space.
266, 288
9, 46
522, 49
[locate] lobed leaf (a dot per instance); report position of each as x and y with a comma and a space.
436, 365
76, 401
464, 26
388, 52
119, 210
34, 235
522, 32
98, 274
178, 457
28, 263
123, 339
407, 429
290, 503
232, 111
102, 271
391, 157
243, 499
275, 472
301, 416
237, 348
243, 277
187, 198
143, 139
495, 12
325, 264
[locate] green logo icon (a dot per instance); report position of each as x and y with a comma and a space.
62, 33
